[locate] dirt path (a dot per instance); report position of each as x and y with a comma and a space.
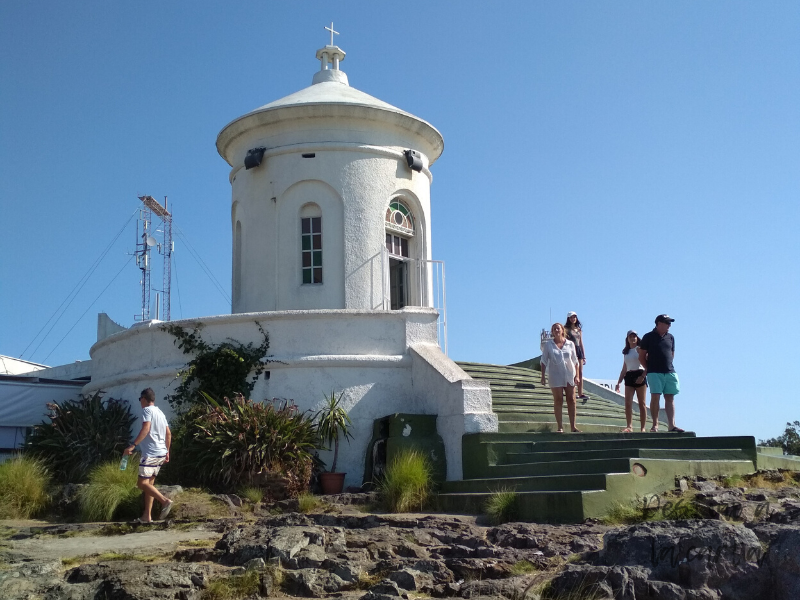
46, 548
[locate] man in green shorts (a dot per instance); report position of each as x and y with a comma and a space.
656, 351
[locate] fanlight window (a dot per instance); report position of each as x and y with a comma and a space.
398, 218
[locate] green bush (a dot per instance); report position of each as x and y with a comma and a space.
407, 482
219, 370
23, 488
235, 443
789, 441
111, 493
80, 435
502, 506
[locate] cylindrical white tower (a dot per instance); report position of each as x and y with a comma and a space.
331, 199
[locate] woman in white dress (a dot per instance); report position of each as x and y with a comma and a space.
634, 376
561, 362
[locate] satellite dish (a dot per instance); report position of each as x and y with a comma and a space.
150, 241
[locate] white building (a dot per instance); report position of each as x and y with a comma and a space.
332, 256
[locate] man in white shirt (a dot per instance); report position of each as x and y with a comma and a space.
154, 441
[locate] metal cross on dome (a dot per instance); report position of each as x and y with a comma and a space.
332, 32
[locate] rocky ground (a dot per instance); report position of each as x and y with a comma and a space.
747, 546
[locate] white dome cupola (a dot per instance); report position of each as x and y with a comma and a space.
331, 199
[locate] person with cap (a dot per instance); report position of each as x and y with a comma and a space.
656, 352
633, 373
574, 332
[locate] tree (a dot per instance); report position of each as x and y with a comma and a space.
789, 441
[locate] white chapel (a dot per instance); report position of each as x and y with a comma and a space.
331, 224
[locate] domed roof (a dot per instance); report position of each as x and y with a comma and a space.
330, 93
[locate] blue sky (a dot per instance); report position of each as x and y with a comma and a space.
619, 159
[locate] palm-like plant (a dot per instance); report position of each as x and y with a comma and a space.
332, 421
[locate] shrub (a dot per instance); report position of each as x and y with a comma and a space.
23, 488
407, 482
111, 492
789, 441
503, 506
218, 370
80, 435
236, 443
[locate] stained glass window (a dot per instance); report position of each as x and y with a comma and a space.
311, 249
399, 218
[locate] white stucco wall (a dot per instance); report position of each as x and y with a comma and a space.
353, 186
366, 354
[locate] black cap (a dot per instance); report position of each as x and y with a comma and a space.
664, 319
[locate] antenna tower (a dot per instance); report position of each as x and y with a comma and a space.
144, 242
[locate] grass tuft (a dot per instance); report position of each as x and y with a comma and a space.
111, 492
204, 543
625, 514
252, 493
113, 556
234, 587
503, 506
195, 503
522, 567
407, 482
680, 509
733, 481
307, 502
366, 580
23, 488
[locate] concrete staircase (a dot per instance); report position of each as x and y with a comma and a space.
568, 477
522, 404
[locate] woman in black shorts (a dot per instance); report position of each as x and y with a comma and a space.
635, 380
574, 333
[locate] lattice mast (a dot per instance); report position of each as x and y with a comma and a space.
168, 247
144, 243
142, 254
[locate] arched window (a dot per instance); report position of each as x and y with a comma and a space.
399, 228
311, 243
399, 231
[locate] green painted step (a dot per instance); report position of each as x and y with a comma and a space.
577, 504
516, 458
548, 483
606, 464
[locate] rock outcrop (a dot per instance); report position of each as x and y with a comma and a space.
388, 557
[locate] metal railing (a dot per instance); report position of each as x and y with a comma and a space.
424, 285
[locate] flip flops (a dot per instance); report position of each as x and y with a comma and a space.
165, 510
676, 430
654, 429
627, 430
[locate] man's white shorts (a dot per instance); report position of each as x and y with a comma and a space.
149, 466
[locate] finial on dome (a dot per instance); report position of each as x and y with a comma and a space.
332, 55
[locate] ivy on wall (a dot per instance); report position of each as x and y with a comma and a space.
220, 370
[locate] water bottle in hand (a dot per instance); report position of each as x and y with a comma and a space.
123, 464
